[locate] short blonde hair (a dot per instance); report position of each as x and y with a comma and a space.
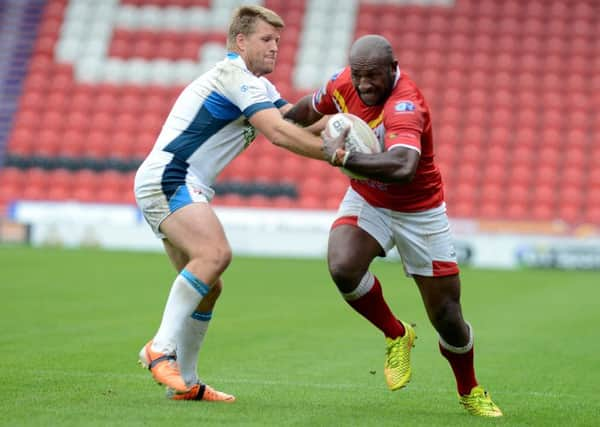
244, 20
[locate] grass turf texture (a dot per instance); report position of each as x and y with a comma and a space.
285, 344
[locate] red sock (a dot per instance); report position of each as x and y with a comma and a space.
374, 308
462, 366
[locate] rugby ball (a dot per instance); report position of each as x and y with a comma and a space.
360, 139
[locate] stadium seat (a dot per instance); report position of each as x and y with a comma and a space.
32, 192
592, 215
515, 211
543, 213
282, 202
58, 193
310, 202
495, 97
491, 194
491, 211
570, 214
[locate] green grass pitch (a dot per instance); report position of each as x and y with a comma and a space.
286, 345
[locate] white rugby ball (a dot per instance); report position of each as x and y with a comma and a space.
360, 139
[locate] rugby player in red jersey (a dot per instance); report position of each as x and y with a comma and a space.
401, 204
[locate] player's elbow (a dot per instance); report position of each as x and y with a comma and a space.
302, 113
404, 165
403, 173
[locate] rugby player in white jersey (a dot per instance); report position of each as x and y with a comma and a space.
211, 122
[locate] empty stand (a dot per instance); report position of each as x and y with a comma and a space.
512, 85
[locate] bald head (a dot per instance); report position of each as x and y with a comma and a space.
371, 48
372, 68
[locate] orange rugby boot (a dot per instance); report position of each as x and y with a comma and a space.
201, 391
164, 368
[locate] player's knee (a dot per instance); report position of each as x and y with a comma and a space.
216, 259
344, 274
446, 315
223, 256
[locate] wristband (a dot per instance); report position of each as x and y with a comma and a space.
338, 157
345, 158
333, 158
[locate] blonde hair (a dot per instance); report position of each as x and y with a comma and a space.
244, 20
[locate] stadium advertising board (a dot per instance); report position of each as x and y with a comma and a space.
288, 233
571, 256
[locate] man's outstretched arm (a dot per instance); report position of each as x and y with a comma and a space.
303, 112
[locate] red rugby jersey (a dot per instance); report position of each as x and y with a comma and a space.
403, 121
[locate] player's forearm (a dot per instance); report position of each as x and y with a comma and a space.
382, 167
297, 140
302, 112
317, 127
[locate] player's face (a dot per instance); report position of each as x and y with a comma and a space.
259, 49
373, 81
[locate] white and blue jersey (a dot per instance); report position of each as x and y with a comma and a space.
205, 130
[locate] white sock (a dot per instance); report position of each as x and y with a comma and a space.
186, 293
363, 287
189, 343
459, 350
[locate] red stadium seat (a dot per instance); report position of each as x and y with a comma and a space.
86, 180
546, 175
59, 193
515, 211
282, 202
521, 174
22, 142
544, 194
33, 192
510, 85
52, 120
267, 169
72, 143
592, 215
548, 156
570, 214
491, 194
518, 194
472, 137
522, 155
36, 177
61, 178
310, 202
461, 209
543, 213
499, 138
83, 194
109, 195
573, 176
491, 210
312, 187
11, 178
495, 175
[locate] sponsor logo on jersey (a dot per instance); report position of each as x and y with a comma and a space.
404, 107
244, 88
